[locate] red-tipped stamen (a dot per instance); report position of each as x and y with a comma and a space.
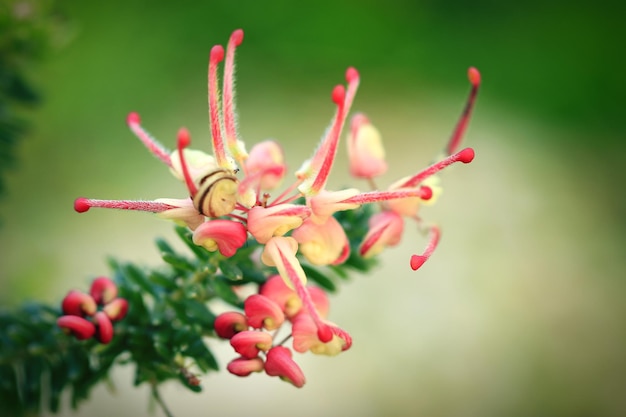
228, 94
423, 192
461, 126
325, 332
182, 142
344, 101
465, 156
82, 205
418, 260
353, 78
324, 156
134, 122
217, 55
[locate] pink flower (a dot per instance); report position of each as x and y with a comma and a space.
279, 363
305, 338
385, 230
245, 366
266, 165
322, 244
267, 222
276, 290
230, 323
365, 149
249, 343
262, 312
224, 235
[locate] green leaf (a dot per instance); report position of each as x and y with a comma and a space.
138, 277
224, 291
199, 312
230, 270
202, 355
178, 262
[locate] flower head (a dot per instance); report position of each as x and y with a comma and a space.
228, 201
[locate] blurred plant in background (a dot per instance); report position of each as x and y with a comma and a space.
28, 29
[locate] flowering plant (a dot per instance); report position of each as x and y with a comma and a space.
252, 248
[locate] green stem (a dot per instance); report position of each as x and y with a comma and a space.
159, 400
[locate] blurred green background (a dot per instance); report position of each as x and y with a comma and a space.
519, 312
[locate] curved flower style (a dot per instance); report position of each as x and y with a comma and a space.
230, 198
92, 314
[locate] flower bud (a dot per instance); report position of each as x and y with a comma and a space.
279, 363
116, 309
103, 290
82, 329
78, 303
228, 324
365, 149
262, 312
244, 366
250, 342
104, 331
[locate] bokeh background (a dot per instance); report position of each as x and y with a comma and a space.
520, 311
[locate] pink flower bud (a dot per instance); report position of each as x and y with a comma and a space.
78, 303
82, 329
250, 342
228, 324
224, 235
279, 363
262, 312
244, 366
116, 309
365, 149
385, 230
266, 164
276, 290
267, 222
103, 290
104, 331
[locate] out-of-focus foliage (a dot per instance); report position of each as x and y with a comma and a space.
27, 31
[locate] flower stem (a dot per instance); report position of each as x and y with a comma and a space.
159, 400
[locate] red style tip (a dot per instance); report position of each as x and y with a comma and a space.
237, 37
217, 53
466, 155
417, 261
352, 74
184, 139
339, 94
474, 76
133, 119
81, 205
426, 192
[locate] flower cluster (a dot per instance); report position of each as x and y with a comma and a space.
231, 200
254, 332
86, 315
